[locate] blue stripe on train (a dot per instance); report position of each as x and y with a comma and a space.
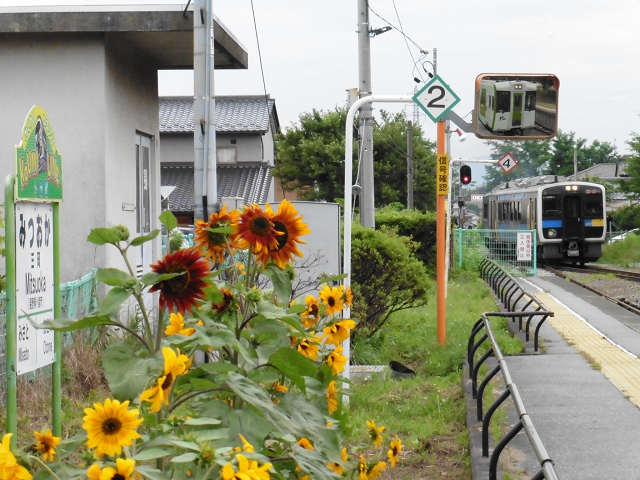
551, 223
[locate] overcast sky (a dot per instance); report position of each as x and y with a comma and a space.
310, 55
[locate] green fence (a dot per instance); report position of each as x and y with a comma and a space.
514, 250
78, 299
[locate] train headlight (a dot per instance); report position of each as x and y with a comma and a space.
568, 187
574, 187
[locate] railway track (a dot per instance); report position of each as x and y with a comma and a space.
563, 272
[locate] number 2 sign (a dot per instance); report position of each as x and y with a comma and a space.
436, 98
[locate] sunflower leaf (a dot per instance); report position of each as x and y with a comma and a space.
168, 219
112, 300
151, 454
128, 374
151, 473
102, 236
70, 324
114, 277
136, 242
226, 230
334, 278
151, 278
185, 457
293, 365
281, 281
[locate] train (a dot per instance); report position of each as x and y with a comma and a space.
507, 107
569, 218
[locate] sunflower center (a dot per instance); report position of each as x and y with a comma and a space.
314, 310
111, 426
118, 476
168, 381
282, 239
178, 283
331, 301
260, 226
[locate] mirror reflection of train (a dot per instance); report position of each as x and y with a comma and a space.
507, 107
568, 217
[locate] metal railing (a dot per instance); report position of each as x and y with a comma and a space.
547, 469
514, 297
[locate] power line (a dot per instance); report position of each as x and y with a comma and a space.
393, 26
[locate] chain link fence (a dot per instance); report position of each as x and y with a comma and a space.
514, 250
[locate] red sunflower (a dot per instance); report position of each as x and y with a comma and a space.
213, 245
182, 291
291, 228
256, 230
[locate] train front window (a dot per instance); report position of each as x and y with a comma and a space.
503, 101
530, 101
593, 208
550, 208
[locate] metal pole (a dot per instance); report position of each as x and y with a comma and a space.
440, 248
409, 165
199, 94
10, 309
56, 380
575, 165
210, 183
367, 202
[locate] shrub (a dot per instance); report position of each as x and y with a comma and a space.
386, 277
627, 218
420, 226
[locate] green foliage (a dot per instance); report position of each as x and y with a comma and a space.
624, 253
632, 185
386, 277
627, 218
419, 226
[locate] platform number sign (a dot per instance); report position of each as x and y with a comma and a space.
507, 163
442, 181
34, 284
436, 98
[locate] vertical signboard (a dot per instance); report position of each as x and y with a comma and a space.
442, 166
34, 284
524, 246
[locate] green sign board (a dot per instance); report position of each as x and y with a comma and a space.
38, 163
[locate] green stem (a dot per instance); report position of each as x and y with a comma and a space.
138, 296
195, 394
159, 331
44, 465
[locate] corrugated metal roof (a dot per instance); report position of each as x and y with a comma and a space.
250, 182
602, 170
233, 114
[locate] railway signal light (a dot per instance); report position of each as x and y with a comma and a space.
465, 175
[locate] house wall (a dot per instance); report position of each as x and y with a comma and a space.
65, 75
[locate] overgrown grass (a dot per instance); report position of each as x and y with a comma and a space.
623, 253
427, 411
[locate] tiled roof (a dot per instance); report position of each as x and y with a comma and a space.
250, 182
602, 170
233, 114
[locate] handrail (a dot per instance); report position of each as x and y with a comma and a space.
547, 469
512, 294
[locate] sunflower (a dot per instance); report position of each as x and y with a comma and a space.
376, 470
338, 332
182, 291
46, 444
174, 365
375, 433
336, 360
94, 472
111, 426
214, 244
305, 443
176, 326
123, 471
394, 451
308, 348
256, 230
227, 298
337, 467
246, 446
9, 467
311, 315
332, 396
246, 470
332, 299
367, 472
291, 228
348, 297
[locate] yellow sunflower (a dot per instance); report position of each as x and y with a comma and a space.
348, 297
123, 471
9, 467
336, 360
337, 467
94, 472
375, 433
338, 332
214, 244
376, 470
174, 364
291, 228
308, 348
332, 299
332, 396
46, 444
305, 443
311, 315
395, 451
246, 470
111, 426
176, 326
256, 230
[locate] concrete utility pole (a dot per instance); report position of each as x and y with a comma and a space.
409, 165
367, 203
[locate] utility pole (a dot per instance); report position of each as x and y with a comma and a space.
367, 203
409, 165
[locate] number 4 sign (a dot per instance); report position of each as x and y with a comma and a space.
436, 98
507, 163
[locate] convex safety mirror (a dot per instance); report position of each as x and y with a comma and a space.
516, 106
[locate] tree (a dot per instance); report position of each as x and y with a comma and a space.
311, 154
632, 186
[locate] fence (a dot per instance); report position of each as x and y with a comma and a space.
78, 298
514, 250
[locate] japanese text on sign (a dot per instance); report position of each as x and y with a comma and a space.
524, 246
34, 284
442, 172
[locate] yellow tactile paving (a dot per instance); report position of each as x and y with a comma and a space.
619, 366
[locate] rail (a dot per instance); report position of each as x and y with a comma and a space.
547, 469
511, 293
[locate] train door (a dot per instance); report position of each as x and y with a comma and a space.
572, 216
516, 116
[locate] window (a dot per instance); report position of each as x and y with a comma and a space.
226, 154
503, 101
530, 101
549, 206
593, 208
